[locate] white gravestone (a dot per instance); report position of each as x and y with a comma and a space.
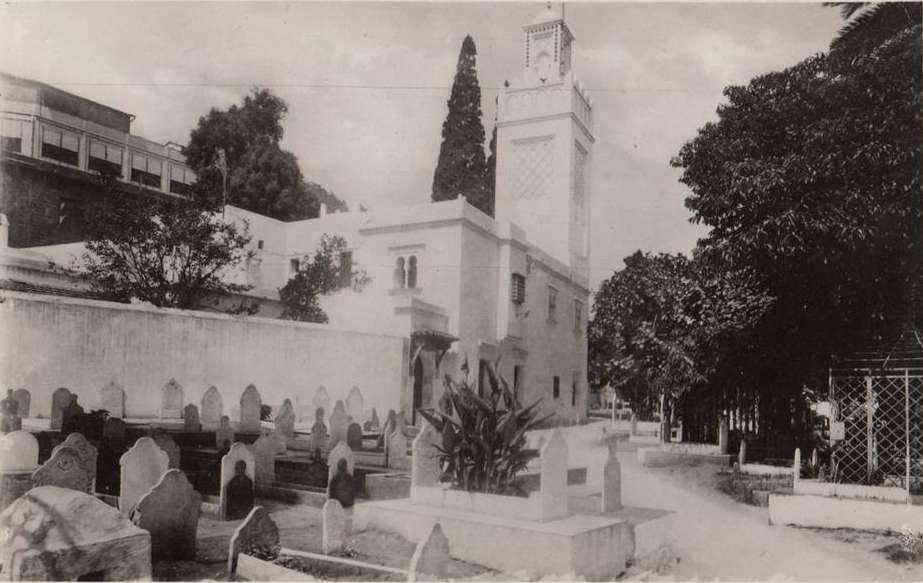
355, 405
60, 400
18, 452
612, 481
430, 561
224, 434
88, 454
212, 406
285, 421
553, 489
397, 451
426, 467
112, 399
250, 405
339, 422
171, 406
238, 452
340, 451
321, 399
333, 526
141, 468
264, 455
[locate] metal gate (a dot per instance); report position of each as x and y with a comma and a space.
882, 414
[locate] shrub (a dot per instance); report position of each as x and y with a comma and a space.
483, 438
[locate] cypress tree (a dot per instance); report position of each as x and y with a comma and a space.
490, 175
461, 168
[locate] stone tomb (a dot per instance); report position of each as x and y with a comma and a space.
257, 531
250, 405
170, 512
142, 466
237, 482
18, 460
56, 534
191, 423
24, 399
64, 469
430, 561
60, 400
212, 406
166, 443
112, 399
171, 400
333, 526
355, 405
224, 435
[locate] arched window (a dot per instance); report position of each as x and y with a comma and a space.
412, 272
399, 273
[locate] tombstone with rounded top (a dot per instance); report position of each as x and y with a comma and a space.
339, 422
553, 488
233, 471
250, 405
191, 423
612, 480
354, 437
333, 526
321, 399
224, 435
257, 531
112, 399
430, 561
24, 398
141, 468
319, 432
355, 404
723, 436
18, 452
340, 451
87, 452
264, 455
9, 413
285, 421
212, 406
742, 452
60, 400
171, 400
170, 512
166, 443
426, 468
397, 451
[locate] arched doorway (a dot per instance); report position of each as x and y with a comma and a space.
417, 389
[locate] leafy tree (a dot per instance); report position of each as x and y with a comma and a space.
330, 269
261, 176
165, 253
461, 168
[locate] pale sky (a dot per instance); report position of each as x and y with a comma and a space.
367, 84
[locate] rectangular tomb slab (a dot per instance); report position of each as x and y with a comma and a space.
593, 547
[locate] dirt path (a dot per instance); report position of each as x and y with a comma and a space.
714, 537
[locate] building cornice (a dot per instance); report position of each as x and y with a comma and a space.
554, 116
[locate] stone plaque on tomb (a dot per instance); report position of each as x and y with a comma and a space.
250, 405
87, 452
212, 406
18, 452
426, 468
114, 433
24, 399
170, 512
191, 421
166, 443
171, 400
257, 531
112, 399
430, 560
553, 488
224, 435
237, 482
64, 469
285, 420
355, 405
339, 421
321, 399
354, 437
60, 399
333, 526
264, 454
141, 467
72, 536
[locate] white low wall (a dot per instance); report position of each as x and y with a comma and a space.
765, 470
48, 342
883, 493
824, 512
691, 448
490, 504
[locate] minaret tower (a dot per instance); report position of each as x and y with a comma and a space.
544, 147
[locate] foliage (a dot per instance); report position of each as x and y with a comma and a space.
173, 254
869, 24
261, 176
484, 438
327, 271
461, 168
911, 543
660, 323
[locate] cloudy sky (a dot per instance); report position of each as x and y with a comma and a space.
367, 83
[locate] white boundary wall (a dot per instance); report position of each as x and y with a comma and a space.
48, 342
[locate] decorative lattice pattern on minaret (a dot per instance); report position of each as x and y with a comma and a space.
534, 163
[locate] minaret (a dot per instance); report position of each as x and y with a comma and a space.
544, 147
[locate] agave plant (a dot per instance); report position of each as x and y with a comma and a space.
483, 438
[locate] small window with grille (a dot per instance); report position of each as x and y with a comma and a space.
518, 288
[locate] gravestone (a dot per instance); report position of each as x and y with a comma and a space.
723, 436
141, 468
166, 443
373, 424
87, 452
264, 455
257, 531
321, 400
237, 482
355, 404
813, 459
430, 561
24, 398
170, 512
285, 421
343, 487
191, 423
612, 481
171, 400
426, 469
250, 405
339, 421
796, 470
341, 451
742, 452
319, 432
70, 416
397, 451
634, 424
112, 399
114, 433
9, 414
553, 488
224, 435
212, 406
18, 452
333, 525
299, 408
60, 399
354, 437
387, 429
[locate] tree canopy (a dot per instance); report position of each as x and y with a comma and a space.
261, 176
462, 168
